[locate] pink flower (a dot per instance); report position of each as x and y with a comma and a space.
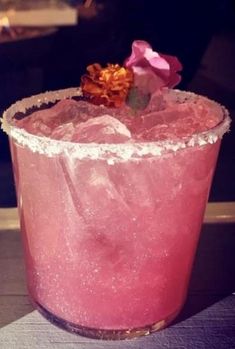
152, 70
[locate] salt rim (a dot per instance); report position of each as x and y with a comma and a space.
108, 152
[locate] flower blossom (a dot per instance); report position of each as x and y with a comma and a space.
108, 86
152, 70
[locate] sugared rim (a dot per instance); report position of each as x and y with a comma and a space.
110, 152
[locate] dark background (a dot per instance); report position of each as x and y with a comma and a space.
200, 33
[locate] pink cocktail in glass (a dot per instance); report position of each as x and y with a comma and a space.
110, 230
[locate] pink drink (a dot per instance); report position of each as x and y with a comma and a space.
111, 214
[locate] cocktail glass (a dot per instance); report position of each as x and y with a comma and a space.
110, 230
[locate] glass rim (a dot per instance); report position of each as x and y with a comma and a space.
108, 151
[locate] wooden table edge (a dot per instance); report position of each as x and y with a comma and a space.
216, 212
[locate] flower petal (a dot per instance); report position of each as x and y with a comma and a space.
138, 50
159, 63
175, 64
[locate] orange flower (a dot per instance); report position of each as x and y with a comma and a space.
108, 86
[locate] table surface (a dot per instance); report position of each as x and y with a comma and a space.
206, 321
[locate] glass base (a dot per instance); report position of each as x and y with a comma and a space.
102, 333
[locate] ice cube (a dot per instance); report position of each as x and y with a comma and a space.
63, 132
42, 122
101, 129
